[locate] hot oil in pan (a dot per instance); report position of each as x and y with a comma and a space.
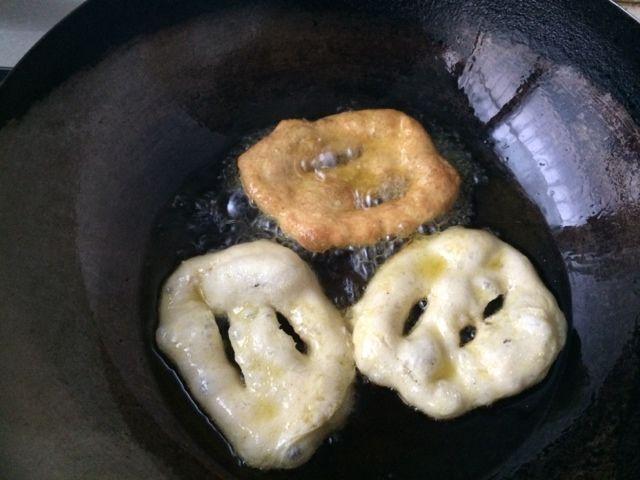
383, 437
212, 212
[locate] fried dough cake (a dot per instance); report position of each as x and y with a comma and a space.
352, 178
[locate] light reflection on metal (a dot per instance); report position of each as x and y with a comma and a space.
553, 129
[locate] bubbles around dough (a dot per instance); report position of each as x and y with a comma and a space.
455, 359
352, 178
287, 402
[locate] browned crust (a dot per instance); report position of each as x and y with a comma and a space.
321, 214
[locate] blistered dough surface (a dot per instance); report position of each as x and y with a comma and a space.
288, 401
455, 359
349, 179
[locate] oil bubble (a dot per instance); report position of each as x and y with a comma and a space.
212, 212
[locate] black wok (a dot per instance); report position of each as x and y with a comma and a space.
127, 103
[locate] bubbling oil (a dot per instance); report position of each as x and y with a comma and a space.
214, 213
210, 212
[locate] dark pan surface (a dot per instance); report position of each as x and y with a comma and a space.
143, 104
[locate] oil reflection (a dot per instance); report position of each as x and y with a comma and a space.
561, 142
572, 147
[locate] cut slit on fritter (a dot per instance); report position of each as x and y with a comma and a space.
349, 179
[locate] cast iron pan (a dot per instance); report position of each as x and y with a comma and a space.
114, 131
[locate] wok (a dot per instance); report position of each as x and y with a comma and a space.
126, 103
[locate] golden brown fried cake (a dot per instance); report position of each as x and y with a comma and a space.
349, 179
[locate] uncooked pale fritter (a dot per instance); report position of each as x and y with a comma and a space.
349, 179
286, 402
490, 328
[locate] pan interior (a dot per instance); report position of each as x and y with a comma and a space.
119, 173
339, 66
